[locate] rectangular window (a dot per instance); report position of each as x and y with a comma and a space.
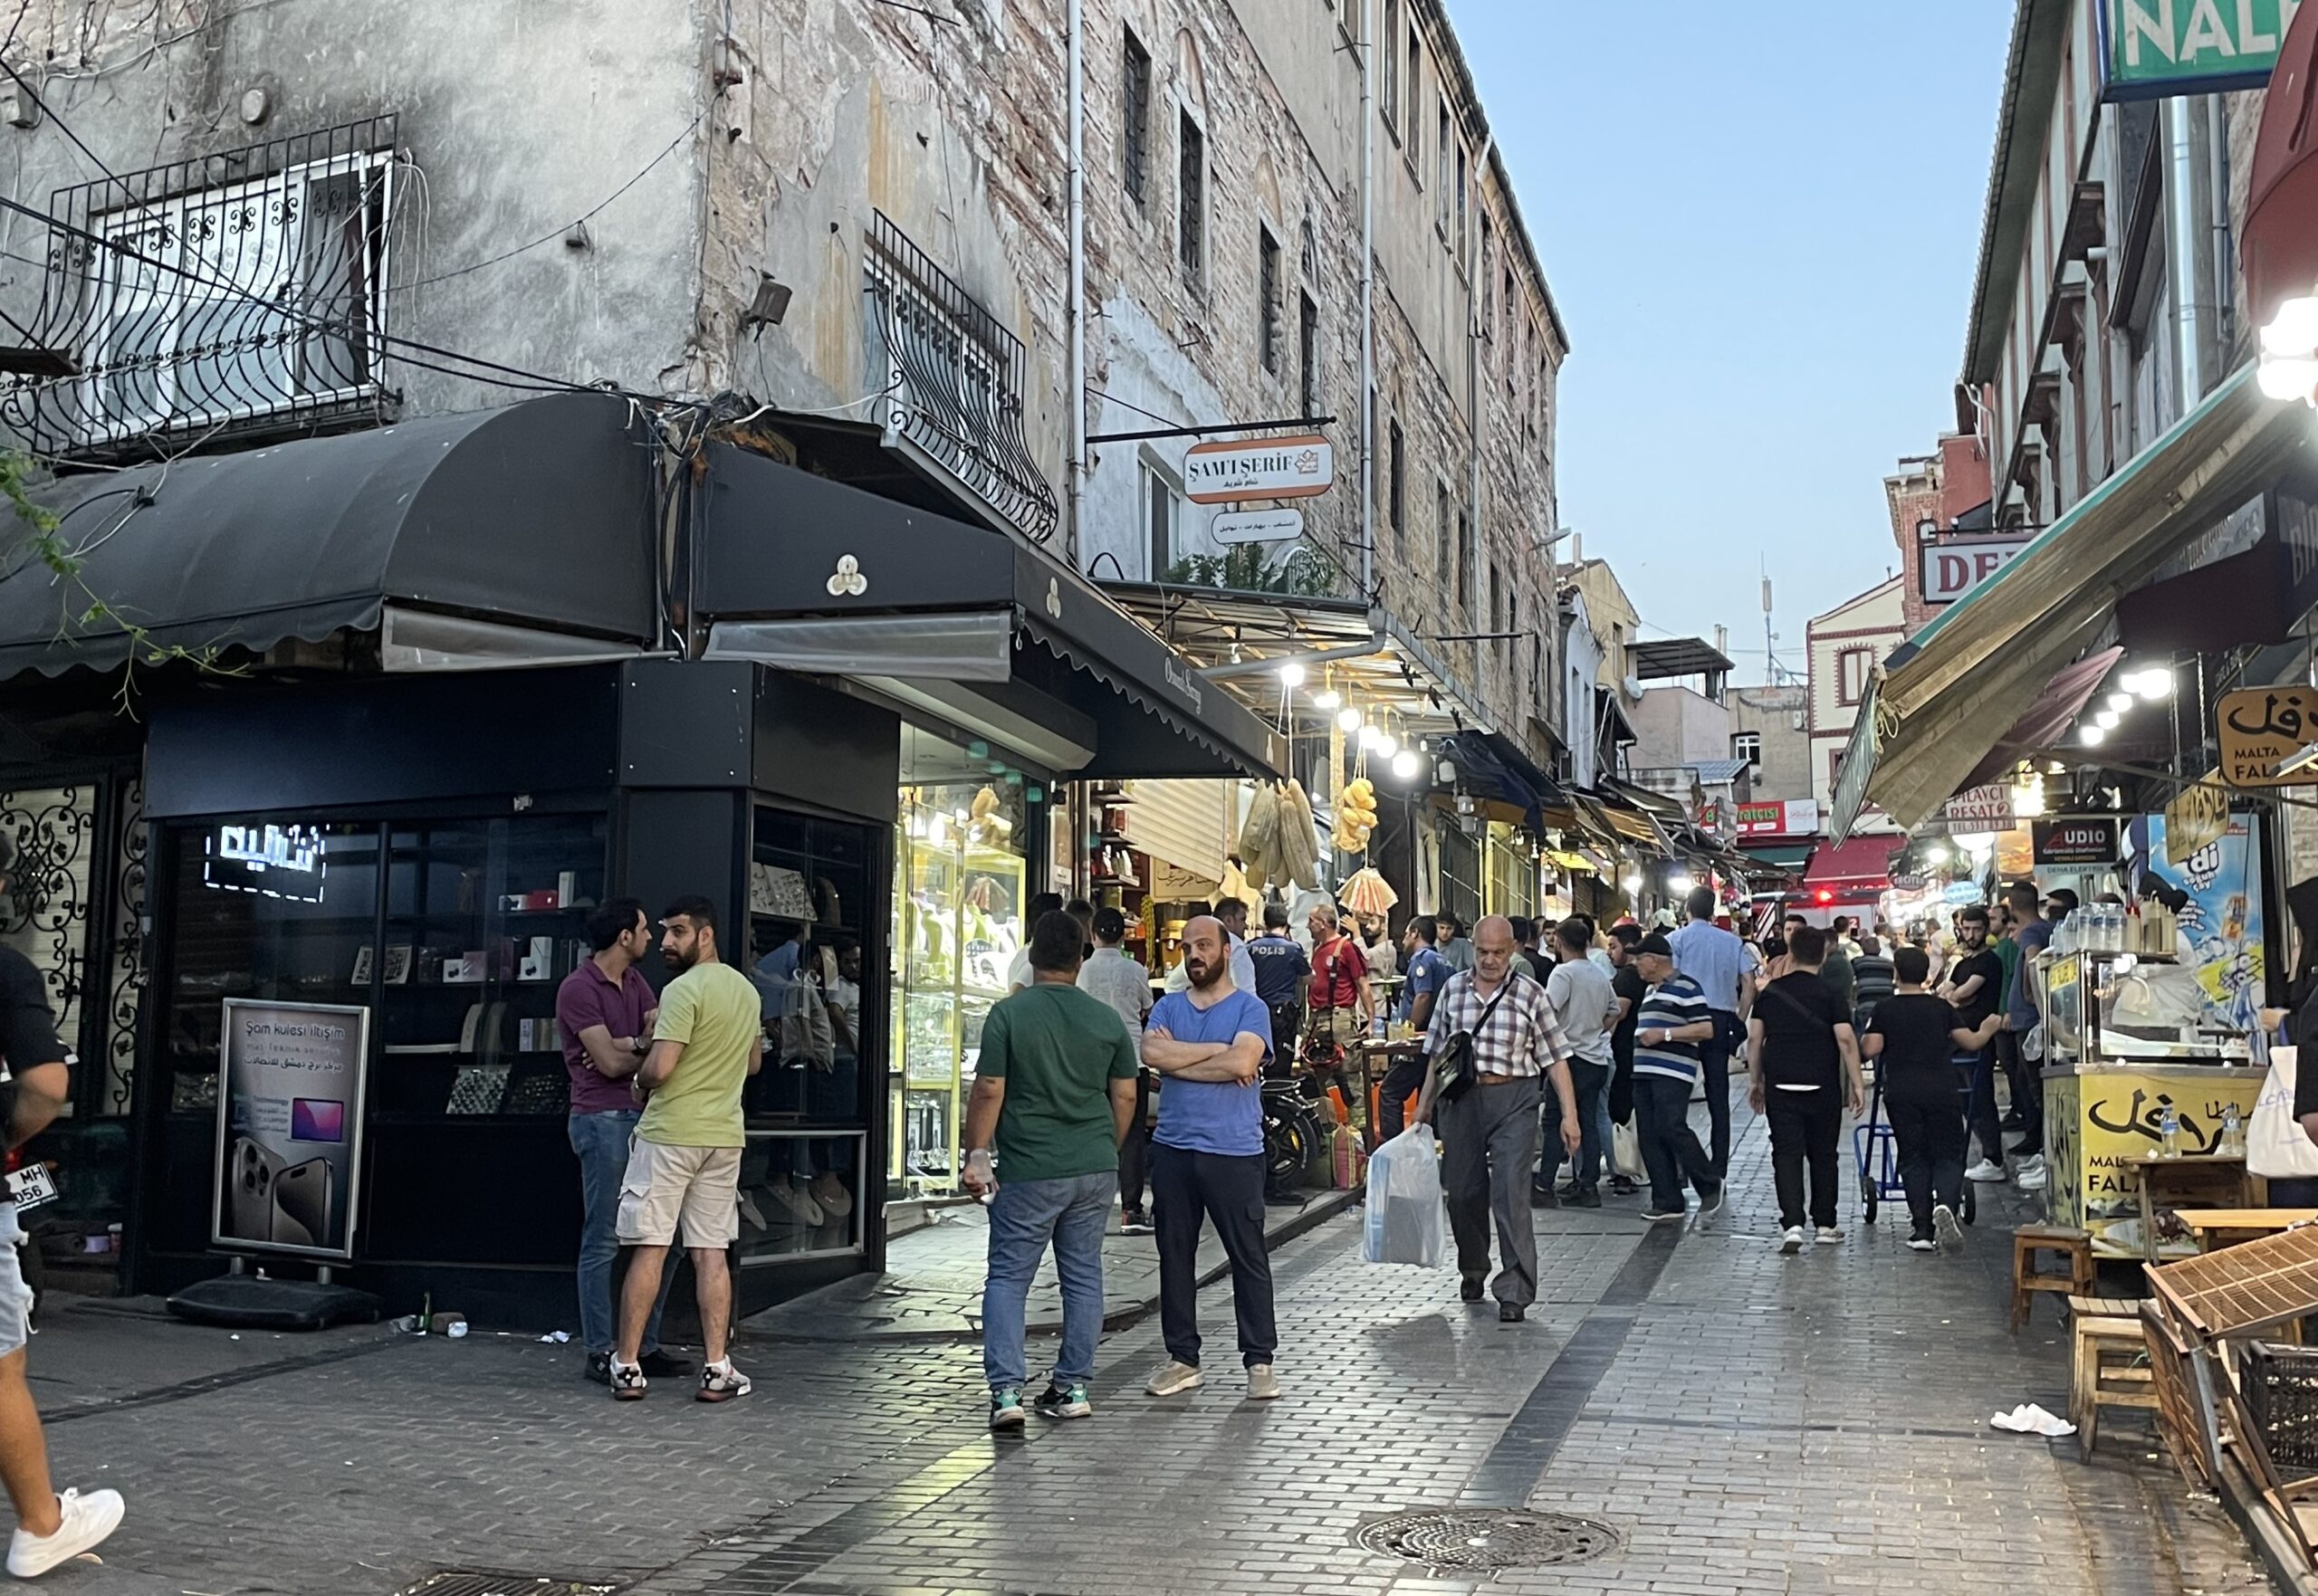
1307, 352
1393, 66
1410, 90
1488, 282
1441, 154
1460, 205
1162, 511
1190, 201
1747, 746
1445, 552
1135, 119
1852, 668
1267, 294
1399, 507
1465, 562
1495, 603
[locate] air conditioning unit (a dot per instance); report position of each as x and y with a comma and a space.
1795, 721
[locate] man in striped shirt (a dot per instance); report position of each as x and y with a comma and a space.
1488, 1135
1676, 1023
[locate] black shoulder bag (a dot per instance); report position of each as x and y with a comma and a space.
1454, 1064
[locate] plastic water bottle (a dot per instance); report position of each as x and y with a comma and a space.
1377, 1023
2169, 1132
2233, 1131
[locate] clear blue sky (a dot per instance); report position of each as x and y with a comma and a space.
1760, 224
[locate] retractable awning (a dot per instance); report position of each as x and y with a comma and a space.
1949, 695
501, 536
810, 575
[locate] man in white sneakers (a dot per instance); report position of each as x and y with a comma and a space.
685, 1163
50, 1529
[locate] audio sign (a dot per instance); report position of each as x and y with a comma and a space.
2080, 841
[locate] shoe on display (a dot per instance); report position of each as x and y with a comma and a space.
598, 1368
1985, 1170
830, 1191
1171, 1378
1006, 1408
665, 1364
1944, 1225
1830, 1234
799, 1204
1792, 1242
751, 1212
721, 1382
1921, 1242
628, 1382
1061, 1402
87, 1522
1263, 1385
1135, 1224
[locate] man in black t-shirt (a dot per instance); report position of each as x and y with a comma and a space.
1631, 988
1913, 1035
1803, 1061
1975, 986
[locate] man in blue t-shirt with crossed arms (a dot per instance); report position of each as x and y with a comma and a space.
1207, 1158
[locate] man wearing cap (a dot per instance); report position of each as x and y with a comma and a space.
1675, 1024
1716, 960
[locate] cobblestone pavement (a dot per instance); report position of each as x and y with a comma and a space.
1746, 1423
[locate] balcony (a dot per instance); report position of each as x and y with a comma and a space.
231, 294
950, 380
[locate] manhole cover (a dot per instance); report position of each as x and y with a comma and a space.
1487, 1538
456, 1583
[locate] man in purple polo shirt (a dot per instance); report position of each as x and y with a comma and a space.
604, 1009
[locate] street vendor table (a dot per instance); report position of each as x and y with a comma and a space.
2217, 1228
2103, 1122
2200, 1180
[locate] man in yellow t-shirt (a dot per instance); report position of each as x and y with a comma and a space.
685, 1164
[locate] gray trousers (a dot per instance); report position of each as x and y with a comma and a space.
1489, 1139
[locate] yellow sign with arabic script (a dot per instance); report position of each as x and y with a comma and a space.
2098, 1122
2260, 729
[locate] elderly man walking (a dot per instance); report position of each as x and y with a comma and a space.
1488, 1130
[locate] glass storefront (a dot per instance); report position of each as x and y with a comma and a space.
960, 903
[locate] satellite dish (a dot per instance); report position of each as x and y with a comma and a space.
1633, 685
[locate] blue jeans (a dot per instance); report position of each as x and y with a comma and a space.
1589, 1083
600, 1141
1024, 1216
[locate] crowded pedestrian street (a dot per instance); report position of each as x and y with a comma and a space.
1731, 1421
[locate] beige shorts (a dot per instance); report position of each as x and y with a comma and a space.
699, 1186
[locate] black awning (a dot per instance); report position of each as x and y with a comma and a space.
537, 515
809, 574
1492, 766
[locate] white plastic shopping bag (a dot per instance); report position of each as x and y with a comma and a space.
1405, 1222
2276, 1146
1625, 1151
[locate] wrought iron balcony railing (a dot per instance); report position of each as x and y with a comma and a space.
953, 381
237, 292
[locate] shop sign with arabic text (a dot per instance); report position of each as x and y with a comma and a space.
2261, 728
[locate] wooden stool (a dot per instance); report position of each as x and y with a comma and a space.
2108, 1363
2027, 1241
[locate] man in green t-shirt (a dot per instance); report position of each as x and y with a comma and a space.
685, 1164
1054, 1090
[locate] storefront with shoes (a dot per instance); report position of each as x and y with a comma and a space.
404, 716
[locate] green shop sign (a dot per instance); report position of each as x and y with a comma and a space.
2154, 49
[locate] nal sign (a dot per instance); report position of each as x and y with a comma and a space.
1950, 570
2153, 49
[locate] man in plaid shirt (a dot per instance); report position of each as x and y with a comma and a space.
1488, 1136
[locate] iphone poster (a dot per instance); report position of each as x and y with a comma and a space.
289, 1126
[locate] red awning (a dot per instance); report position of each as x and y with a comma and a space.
2279, 246
2048, 718
1862, 863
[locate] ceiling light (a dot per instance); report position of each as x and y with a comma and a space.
2120, 702
2294, 330
1406, 764
1348, 719
2154, 683
1292, 673
2293, 376
1631, 881
2107, 720
2091, 734
1935, 854
1326, 698
1680, 886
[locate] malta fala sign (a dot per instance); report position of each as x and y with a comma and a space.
2154, 49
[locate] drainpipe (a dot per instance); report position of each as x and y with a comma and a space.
1369, 466
1076, 29
2185, 250
1473, 408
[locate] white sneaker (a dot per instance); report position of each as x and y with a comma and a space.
1792, 1242
2031, 1179
1985, 1170
87, 1520
1173, 1377
1945, 1226
721, 1382
1829, 1234
1263, 1385
1922, 1244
